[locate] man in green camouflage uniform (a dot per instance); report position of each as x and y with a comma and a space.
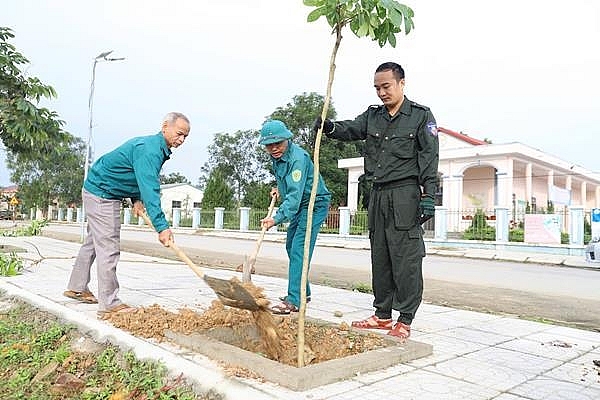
401, 162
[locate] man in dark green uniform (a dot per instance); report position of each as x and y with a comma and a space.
129, 171
401, 162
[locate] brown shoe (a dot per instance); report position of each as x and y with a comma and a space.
84, 297
373, 322
400, 330
284, 308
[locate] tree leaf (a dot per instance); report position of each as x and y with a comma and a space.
392, 39
313, 3
315, 14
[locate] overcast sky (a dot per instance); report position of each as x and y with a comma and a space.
511, 71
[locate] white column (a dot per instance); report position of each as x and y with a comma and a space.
455, 194
353, 175
440, 231
550, 183
176, 217
584, 194
219, 211
501, 224
244, 218
576, 225
126, 216
70, 214
528, 181
344, 221
61, 214
196, 218
446, 191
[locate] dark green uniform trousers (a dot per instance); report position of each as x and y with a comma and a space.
397, 249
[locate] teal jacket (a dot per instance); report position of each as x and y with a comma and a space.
294, 173
132, 171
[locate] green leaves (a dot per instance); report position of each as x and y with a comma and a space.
24, 127
54, 173
379, 20
10, 264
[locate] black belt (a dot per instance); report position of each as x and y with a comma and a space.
395, 184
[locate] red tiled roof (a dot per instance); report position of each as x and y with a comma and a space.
462, 137
9, 189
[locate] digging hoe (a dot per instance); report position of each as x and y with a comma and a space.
230, 292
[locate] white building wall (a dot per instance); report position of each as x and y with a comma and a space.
186, 194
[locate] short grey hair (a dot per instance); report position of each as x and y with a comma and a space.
171, 117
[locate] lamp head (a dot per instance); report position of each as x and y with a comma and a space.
104, 54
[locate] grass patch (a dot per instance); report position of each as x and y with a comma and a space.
362, 287
38, 361
33, 229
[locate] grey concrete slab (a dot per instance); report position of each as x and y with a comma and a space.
309, 376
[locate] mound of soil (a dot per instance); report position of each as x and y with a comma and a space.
322, 342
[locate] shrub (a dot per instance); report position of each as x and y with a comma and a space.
516, 235
479, 229
10, 264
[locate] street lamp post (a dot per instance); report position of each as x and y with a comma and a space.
100, 58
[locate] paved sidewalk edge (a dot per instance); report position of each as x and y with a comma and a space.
201, 377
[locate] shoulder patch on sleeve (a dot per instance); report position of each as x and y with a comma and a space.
296, 175
432, 128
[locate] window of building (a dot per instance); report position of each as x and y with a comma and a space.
176, 204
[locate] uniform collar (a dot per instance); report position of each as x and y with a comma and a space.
163, 145
405, 109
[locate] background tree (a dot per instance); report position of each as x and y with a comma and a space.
239, 159
299, 116
55, 177
173, 177
217, 192
25, 129
257, 195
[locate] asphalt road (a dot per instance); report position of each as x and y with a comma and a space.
557, 294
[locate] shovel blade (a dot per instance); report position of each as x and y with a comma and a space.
232, 294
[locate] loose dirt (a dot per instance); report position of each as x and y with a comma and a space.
322, 342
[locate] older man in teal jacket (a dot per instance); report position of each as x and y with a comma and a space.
294, 173
130, 171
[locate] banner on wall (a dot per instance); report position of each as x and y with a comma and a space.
542, 228
595, 223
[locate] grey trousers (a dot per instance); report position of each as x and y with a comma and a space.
101, 244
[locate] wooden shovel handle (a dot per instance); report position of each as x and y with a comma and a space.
177, 250
252, 258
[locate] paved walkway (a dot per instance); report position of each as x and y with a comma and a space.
476, 356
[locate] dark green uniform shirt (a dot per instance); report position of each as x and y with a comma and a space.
399, 147
132, 171
294, 172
